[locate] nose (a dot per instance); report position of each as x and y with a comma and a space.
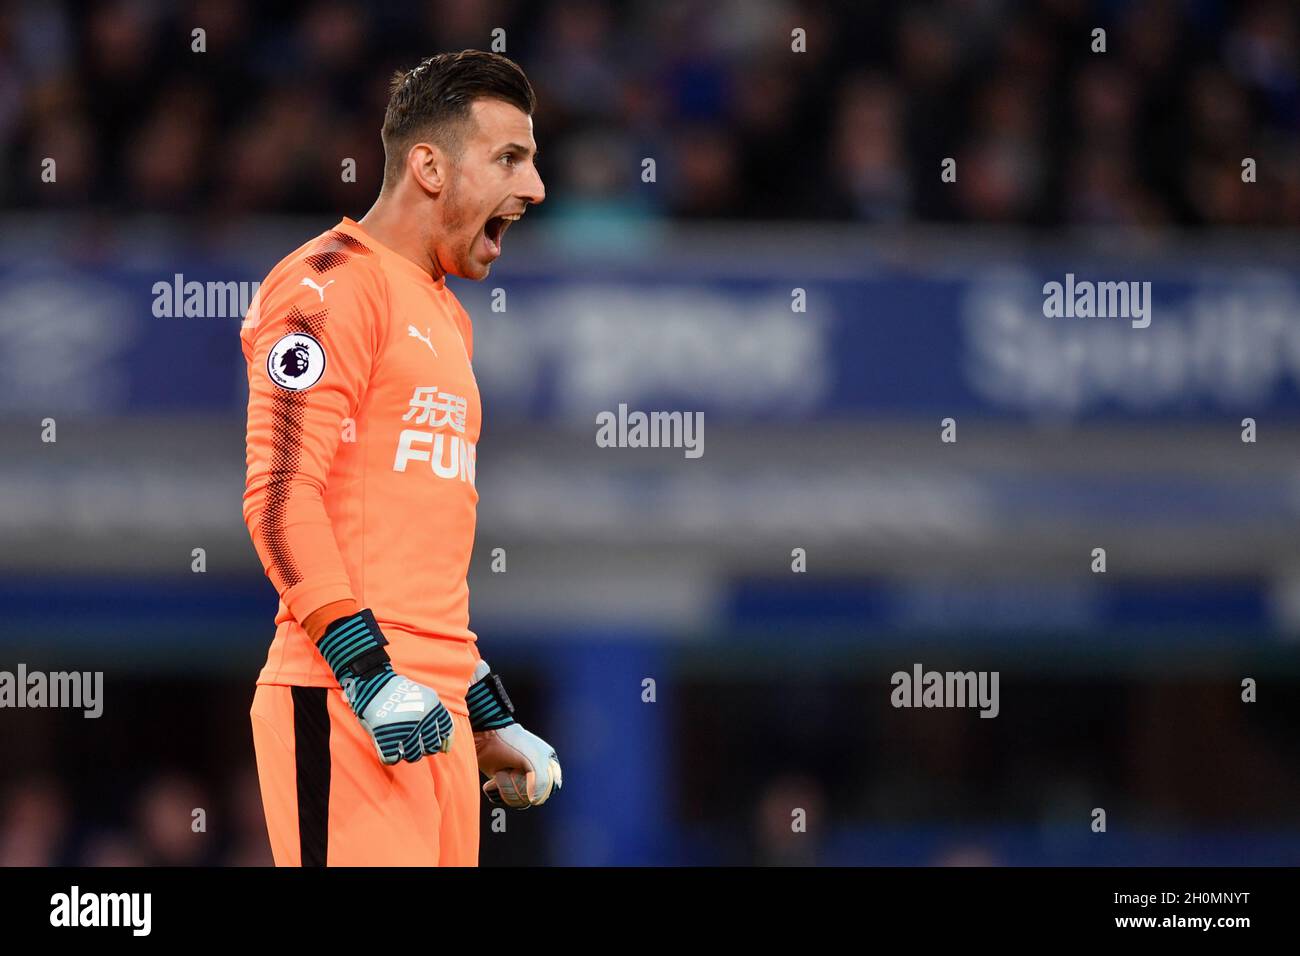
534, 190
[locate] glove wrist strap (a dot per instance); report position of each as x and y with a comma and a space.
354, 647
489, 705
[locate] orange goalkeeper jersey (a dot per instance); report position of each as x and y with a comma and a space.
363, 419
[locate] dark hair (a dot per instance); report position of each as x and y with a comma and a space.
434, 99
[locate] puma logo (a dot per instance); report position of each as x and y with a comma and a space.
414, 333
320, 289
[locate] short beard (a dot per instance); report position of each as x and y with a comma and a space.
453, 216
454, 219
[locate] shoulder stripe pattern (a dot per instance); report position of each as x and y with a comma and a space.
337, 248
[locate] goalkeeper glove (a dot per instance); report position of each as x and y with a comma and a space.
522, 768
405, 720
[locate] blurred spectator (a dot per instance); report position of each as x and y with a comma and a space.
34, 823
789, 821
173, 817
867, 148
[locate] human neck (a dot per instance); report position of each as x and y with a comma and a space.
390, 221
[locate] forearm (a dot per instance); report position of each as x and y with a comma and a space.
294, 538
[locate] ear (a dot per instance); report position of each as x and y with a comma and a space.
429, 167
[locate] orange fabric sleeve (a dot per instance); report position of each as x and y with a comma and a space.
316, 622
310, 350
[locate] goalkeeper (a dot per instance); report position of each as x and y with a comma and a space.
375, 715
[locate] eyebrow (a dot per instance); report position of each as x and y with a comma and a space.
520, 148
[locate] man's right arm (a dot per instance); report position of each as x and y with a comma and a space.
309, 359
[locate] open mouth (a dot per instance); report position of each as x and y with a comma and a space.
495, 228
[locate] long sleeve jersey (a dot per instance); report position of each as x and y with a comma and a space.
363, 422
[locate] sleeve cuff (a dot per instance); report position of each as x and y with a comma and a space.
304, 599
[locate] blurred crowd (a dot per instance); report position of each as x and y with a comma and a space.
171, 820
1044, 131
